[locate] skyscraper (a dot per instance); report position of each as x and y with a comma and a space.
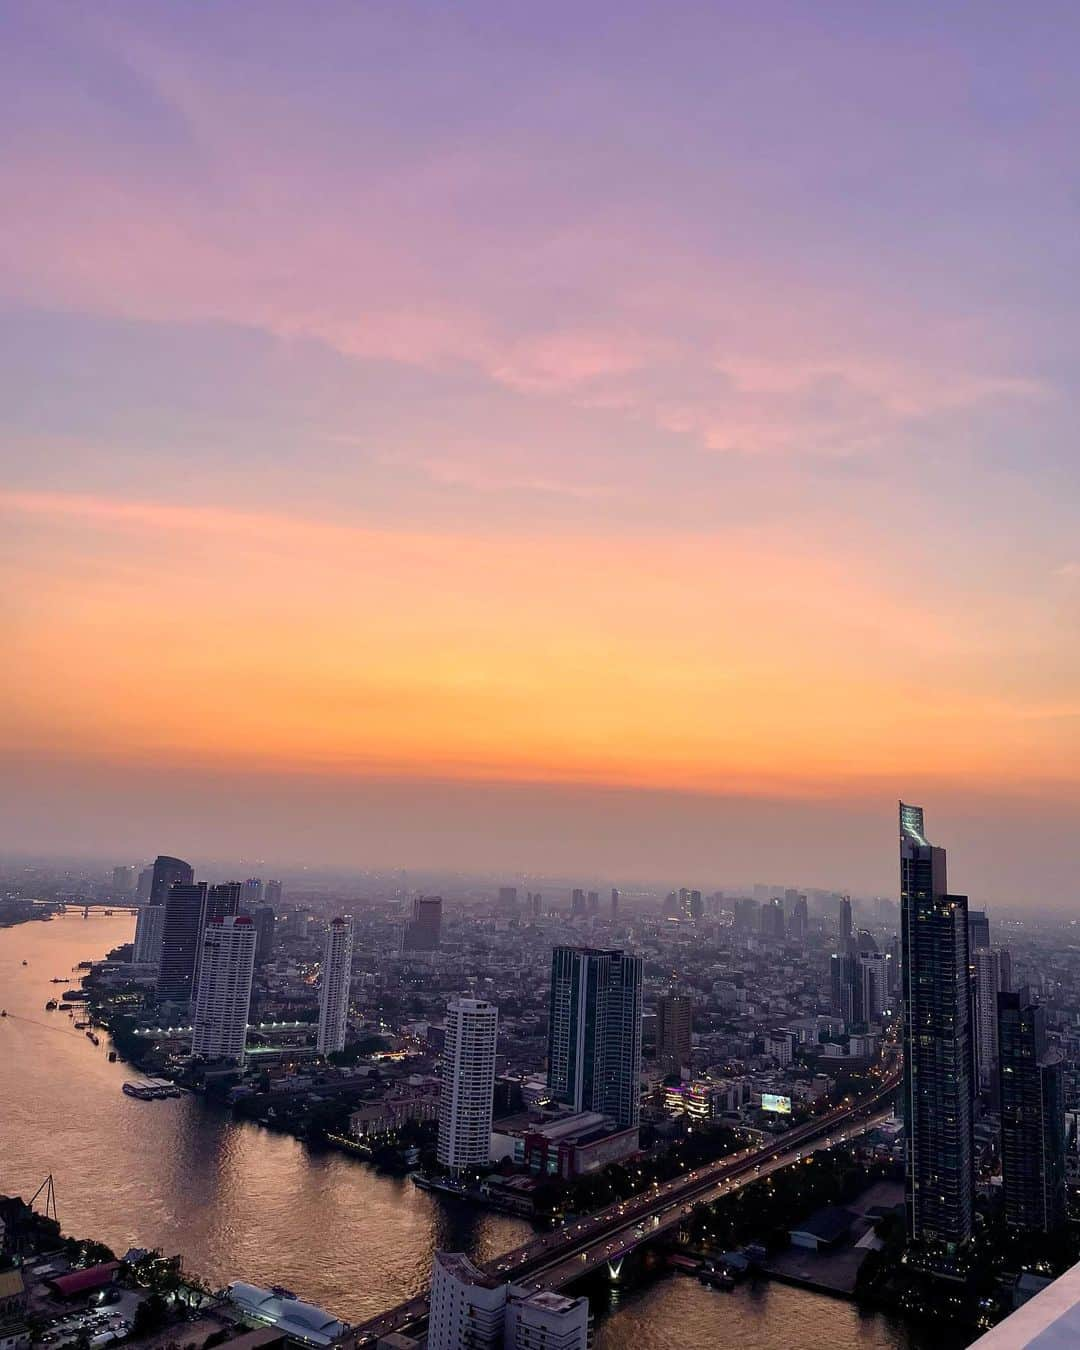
845, 922
221, 901
227, 897
180, 941
798, 919
674, 1031
978, 930
938, 1089
594, 1032
223, 1001
990, 977
272, 894
264, 933
614, 903
123, 881
1032, 1116
746, 915
873, 996
149, 928
772, 918
844, 972
168, 872
468, 1084
252, 895
506, 902
422, 932
334, 989
577, 903
152, 930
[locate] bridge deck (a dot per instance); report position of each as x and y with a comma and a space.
555, 1260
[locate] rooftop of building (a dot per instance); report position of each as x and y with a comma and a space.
459, 1265
11, 1283
303, 1321
556, 1303
1049, 1321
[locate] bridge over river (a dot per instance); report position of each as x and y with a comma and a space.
555, 1260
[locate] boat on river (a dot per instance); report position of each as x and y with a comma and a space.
153, 1089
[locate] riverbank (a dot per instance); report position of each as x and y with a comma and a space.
240, 1201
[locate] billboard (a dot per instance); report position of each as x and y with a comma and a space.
771, 1102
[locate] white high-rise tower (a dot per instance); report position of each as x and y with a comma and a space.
223, 1000
334, 994
468, 1083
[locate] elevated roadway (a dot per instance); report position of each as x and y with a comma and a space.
557, 1259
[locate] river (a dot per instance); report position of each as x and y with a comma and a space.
240, 1202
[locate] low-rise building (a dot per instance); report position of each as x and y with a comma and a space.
567, 1146
300, 1321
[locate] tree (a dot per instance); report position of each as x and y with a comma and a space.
150, 1316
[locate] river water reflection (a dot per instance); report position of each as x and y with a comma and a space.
240, 1202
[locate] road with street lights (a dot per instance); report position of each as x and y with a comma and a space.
555, 1260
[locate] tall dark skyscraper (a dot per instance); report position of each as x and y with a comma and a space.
264, 933
990, 974
180, 940
168, 872
746, 915
844, 971
674, 1031
798, 919
1032, 1116
978, 930
594, 1032
772, 919
222, 902
845, 923
272, 894
938, 1087
423, 931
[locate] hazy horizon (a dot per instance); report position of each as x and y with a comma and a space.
491, 829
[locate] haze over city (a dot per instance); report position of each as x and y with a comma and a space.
631, 438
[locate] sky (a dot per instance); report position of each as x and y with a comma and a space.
637, 438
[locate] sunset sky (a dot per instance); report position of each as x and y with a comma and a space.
635, 438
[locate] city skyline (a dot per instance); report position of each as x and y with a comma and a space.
375, 434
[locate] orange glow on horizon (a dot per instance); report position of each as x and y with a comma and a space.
716, 662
